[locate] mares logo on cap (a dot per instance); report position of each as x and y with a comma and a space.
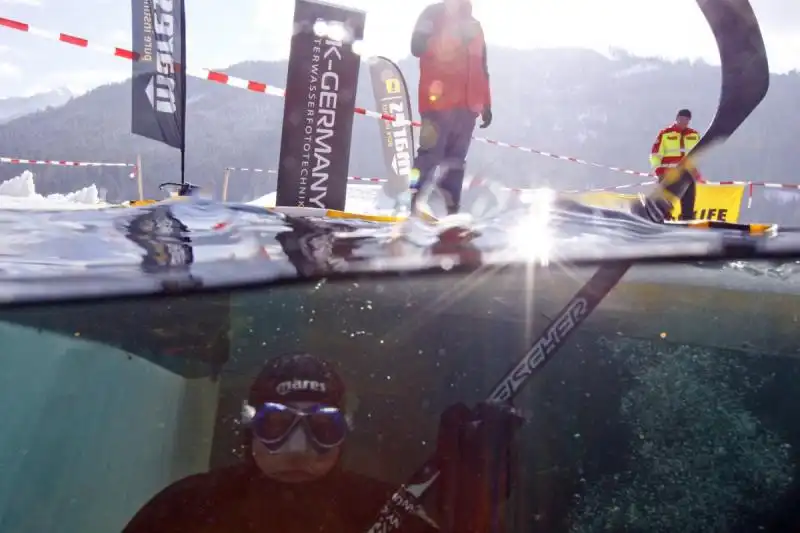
299, 385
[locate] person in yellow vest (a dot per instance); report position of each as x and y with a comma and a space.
670, 147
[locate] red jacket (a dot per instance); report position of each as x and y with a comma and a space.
452, 61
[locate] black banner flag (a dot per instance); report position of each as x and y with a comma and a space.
392, 97
158, 85
318, 110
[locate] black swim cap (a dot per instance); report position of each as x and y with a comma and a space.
297, 378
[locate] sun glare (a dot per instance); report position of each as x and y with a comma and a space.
532, 236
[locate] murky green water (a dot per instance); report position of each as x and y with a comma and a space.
705, 450
671, 409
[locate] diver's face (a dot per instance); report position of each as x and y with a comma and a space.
683, 122
296, 461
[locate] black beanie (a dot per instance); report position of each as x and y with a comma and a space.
685, 113
297, 378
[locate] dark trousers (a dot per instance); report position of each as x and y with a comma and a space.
687, 199
444, 141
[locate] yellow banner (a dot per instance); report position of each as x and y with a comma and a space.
606, 200
713, 202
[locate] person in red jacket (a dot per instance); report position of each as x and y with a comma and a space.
670, 147
453, 92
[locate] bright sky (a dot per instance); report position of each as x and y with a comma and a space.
220, 35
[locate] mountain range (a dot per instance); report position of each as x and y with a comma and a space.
15, 107
574, 102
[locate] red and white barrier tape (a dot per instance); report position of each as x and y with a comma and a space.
49, 162
256, 86
130, 55
750, 184
598, 189
756, 184
271, 171
472, 183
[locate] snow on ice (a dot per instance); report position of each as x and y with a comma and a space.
20, 193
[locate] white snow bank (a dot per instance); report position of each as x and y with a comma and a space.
20, 193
